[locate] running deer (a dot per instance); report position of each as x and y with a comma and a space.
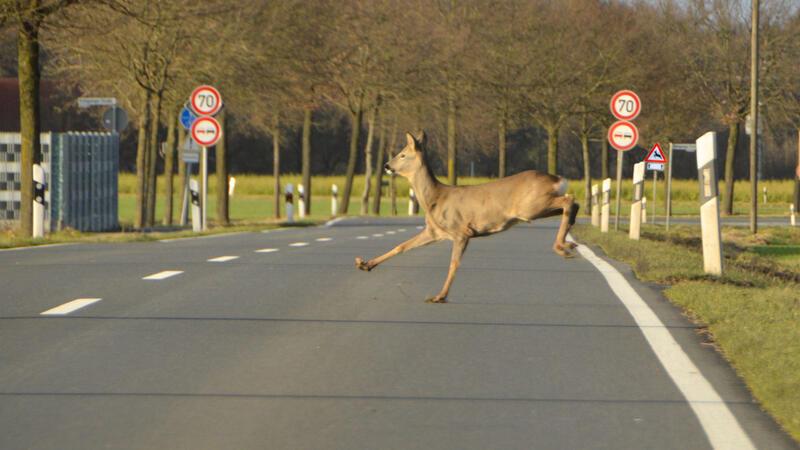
464, 212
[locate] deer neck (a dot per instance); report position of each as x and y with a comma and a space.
426, 187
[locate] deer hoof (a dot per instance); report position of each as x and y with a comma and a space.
436, 299
363, 265
562, 252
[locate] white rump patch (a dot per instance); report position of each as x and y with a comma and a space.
561, 186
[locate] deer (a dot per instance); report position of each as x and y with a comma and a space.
460, 213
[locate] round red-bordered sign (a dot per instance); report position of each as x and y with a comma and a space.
623, 135
625, 105
205, 100
206, 131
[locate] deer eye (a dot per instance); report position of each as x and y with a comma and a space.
402, 156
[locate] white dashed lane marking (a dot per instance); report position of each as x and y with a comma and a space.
223, 259
163, 275
69, 307
390, 232
420, 227
298, 244
362, 237
324, 239
401, 230
378, 235
267, 250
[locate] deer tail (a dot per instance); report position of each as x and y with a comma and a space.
561, 186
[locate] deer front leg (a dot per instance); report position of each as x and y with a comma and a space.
419, 240
459, 245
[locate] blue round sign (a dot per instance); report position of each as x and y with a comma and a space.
187, 117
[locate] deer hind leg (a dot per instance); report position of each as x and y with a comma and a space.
569, 211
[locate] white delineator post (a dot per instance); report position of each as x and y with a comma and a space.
595, 205
194, 195
792, 219
412, 203
231, 186
709, 203
765, 195
644, 209
636, 206
605, 210
334, 200
301, 201
38, 201
289, 203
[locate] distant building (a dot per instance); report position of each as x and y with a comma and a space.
57, 107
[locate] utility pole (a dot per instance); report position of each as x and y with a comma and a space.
754, 119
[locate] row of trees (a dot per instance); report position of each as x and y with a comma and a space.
470, 72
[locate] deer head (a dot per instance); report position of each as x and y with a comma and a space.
410, 159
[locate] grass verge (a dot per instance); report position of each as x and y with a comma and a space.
10, 238
751, 313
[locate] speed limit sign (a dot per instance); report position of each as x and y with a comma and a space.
623, 135
206, 131
625, 105
205, 100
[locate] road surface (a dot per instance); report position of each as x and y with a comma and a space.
274, 340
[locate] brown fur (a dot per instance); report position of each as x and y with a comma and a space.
461, 213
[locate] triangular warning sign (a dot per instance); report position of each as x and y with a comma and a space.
655, 155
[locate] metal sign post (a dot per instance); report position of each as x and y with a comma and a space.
668, 200
204, 203
709, 203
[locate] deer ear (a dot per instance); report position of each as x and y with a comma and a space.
421, 139
410, 141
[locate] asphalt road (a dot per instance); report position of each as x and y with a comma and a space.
293, 348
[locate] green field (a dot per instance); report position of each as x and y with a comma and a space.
252, 200
751, 313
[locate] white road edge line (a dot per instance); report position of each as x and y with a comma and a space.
267, 250
298, 244
333, 221
223, 258
30, 247
163, 275
324, 239
69, 307
720, 425
209, 236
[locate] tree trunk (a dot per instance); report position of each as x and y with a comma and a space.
141, 160
376, 202
604, 155
368, 162
276, 164
797, 177
351, 160
152, 176
552, 149
587, 175
730, 163
29, 117
452, 176
307, 121
169, 164
392, 182
501, 148
222, 172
